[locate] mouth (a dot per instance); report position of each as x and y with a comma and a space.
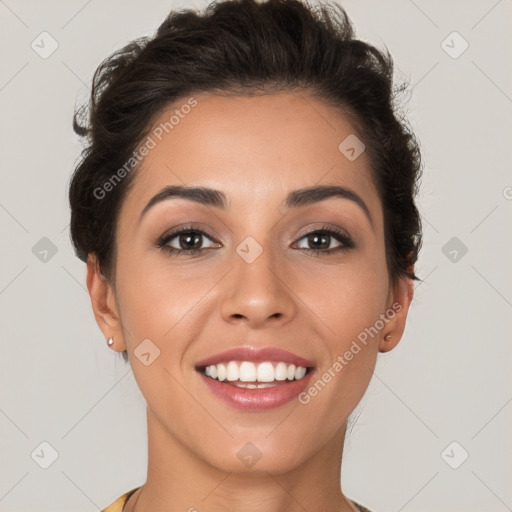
255, 379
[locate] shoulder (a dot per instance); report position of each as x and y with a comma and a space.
360, 507
117, 506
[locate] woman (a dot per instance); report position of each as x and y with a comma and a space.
245, 207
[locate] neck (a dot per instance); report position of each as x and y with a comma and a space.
178, 480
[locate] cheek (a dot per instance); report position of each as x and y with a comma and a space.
348, 308
350, 297
154, 297
360, 302
352, 303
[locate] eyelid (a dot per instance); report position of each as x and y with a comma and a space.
185, 228
323, 226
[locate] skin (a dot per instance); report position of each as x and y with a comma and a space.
256, 150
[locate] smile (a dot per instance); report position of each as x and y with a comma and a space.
255, 379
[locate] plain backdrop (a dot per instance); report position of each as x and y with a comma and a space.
433, 430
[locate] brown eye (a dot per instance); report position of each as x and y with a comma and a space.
186, 241
320, 241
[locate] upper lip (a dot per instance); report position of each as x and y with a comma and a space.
256, 355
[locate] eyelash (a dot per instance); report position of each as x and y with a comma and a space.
338, 235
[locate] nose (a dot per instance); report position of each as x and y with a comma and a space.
258, 293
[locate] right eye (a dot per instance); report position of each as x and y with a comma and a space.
190, 240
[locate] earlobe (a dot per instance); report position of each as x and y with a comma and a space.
103, 303
400, 301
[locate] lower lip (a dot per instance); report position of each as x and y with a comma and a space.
257, 399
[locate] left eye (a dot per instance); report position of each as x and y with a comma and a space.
318, 239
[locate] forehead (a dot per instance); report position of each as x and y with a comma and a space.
255, 149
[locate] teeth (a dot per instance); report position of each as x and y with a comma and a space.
281, 371
299, 372
265, 372
249, 373
231, 372
221, 372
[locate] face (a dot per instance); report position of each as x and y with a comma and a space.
272, 268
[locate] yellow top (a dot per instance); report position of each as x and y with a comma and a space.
118, 505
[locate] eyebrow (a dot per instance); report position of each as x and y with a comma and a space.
295, 199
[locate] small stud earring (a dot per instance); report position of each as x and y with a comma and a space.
110, 342
387, 337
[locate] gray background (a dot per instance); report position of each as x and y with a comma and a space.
448, 380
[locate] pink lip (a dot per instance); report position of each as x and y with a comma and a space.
256, 355
257, 399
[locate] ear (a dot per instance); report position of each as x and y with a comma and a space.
399, 300
103, 304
